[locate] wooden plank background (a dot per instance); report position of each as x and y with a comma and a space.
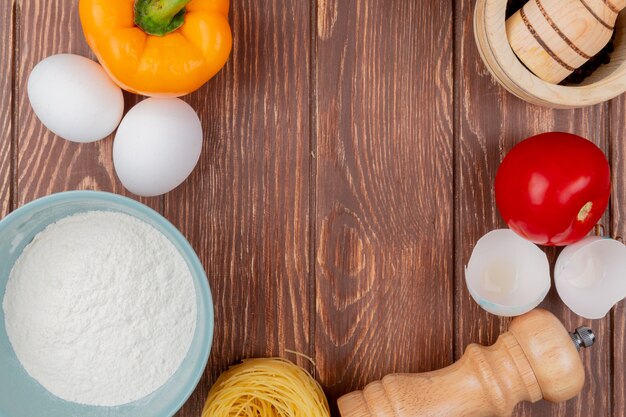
6, 104
384, 295
347, 171
618, 230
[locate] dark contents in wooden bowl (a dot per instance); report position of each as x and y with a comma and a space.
579, 75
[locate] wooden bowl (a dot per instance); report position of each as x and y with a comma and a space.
605, 83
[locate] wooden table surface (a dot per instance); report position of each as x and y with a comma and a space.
347, 171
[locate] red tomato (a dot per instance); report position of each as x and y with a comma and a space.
553, 188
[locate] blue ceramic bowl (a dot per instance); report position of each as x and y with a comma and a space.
21, 395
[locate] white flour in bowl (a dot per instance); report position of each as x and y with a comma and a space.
100, 308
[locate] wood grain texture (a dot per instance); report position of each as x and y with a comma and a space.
246, 207
384, 209
491, 121
618, 230
6, 105
46, 163
347, 172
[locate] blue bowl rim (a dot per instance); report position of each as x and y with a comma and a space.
197, 264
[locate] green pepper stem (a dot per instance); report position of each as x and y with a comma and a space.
160, 17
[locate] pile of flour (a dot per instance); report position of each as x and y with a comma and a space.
100, 308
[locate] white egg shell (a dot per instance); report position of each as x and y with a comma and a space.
506, 274
157, 146
75, 98
590, 276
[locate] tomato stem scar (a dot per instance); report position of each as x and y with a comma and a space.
584, 212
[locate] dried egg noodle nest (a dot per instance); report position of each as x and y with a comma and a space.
266, 388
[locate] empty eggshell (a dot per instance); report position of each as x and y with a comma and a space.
157, 146
75, 98
506, 274
590, 276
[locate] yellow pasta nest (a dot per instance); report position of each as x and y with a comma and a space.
266, 388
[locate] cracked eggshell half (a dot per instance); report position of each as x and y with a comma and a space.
507, 275
590, 276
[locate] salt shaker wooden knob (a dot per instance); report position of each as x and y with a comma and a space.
554, 37
537, 358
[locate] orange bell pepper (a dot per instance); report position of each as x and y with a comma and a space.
159, 48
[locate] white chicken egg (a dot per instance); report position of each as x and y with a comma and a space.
157, 146
75, 98
506, 274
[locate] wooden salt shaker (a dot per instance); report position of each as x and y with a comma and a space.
537, 358
554, 37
